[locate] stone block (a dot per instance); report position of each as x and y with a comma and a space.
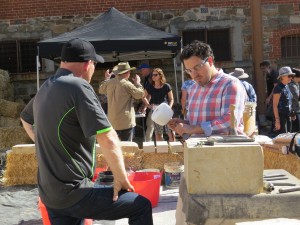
148, 147
162, 147
232, 168
176, 146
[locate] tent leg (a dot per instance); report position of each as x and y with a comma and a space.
37, 71
175, 74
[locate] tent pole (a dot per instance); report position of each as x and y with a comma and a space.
175, 73
37, 71
182, 69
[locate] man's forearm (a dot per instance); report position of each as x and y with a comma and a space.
112, 152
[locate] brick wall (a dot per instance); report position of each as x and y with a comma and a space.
17, 11
276, 37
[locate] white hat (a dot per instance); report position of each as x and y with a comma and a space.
285, 71
239, 73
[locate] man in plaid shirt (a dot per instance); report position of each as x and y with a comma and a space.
211, 95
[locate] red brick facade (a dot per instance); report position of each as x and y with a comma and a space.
277, 35
17, 11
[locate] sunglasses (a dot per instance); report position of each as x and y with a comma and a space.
291, 76
155, 74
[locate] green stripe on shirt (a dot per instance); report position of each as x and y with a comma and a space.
104, 130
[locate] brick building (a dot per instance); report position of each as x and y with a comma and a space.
242, 33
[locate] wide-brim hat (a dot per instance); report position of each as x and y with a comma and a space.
239, 73
285, 71
123, 67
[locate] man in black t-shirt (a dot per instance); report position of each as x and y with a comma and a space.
271, 81
65, 119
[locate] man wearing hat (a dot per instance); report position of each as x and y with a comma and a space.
120, 97
295, 90
282, 101
65, 119
241, 75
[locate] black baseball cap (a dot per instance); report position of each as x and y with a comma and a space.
79, 50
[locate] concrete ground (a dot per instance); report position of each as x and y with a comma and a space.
163, 213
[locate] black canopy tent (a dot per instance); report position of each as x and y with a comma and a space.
117, 37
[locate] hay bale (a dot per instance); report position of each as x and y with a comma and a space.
277, 160
10, 136
9, 122
126, 146
131, 160
21, 166
10, 109
157, 160
6, 87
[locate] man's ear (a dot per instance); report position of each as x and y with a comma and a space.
210, 60
86, 65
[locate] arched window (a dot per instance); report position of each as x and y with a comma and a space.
290, 46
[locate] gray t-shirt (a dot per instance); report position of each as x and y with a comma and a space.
67, 115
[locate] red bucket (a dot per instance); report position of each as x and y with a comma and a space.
147, 184
45, 216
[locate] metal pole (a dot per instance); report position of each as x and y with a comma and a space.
37, 70
174, 62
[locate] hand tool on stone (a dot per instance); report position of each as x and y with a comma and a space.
274, 175
275, 178
289, 189
283, 184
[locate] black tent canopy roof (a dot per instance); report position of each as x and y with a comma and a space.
117, 37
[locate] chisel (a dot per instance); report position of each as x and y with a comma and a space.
289, 189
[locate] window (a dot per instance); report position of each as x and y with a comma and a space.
218, 39
18, 56
290, 46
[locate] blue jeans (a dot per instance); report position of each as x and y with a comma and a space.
98, 205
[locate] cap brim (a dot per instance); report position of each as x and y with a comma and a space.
285, 74
99, 58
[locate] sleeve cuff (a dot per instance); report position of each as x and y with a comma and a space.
206, 127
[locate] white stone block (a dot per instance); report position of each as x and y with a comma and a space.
162, 147
232, 168
23, 148
148, 147
176, 146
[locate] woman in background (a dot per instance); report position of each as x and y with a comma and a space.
159, 91
184, 93
282, 101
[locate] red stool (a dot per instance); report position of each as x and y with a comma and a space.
45, 216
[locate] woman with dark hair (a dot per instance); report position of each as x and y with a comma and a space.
282, 101
159, 91
294, 88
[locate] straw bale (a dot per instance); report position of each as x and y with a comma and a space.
21, 167
131, 160
9, 122
157, 160
11, 109
277, 160
6, 87
10, 136
126, 146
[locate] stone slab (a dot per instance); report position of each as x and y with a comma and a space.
203, 209
235, 168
